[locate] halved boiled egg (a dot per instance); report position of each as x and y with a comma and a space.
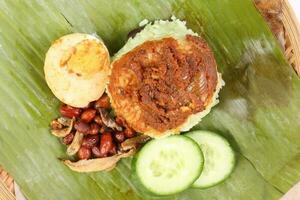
77, 68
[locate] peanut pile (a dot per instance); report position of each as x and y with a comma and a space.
99, 135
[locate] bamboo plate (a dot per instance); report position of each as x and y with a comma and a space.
291, 52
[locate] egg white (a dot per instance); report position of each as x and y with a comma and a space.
71, 88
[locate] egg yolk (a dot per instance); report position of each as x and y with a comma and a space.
86, 58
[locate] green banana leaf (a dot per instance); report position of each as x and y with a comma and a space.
258, 110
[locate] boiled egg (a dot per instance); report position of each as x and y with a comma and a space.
77, 68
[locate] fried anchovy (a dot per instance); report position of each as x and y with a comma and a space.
108, 121
98, 164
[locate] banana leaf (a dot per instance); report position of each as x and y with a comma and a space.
258, 110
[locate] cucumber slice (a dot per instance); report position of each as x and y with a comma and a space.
218, 155
168, 165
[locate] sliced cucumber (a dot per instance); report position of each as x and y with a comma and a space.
168, 165
218, 156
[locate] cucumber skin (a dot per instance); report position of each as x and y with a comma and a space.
231, 169
136, 181
142, 188
220, 182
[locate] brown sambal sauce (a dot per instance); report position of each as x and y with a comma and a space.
162, 82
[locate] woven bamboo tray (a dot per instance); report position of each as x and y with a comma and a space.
292, 35
291, 52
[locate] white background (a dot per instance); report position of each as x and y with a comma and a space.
296, 5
